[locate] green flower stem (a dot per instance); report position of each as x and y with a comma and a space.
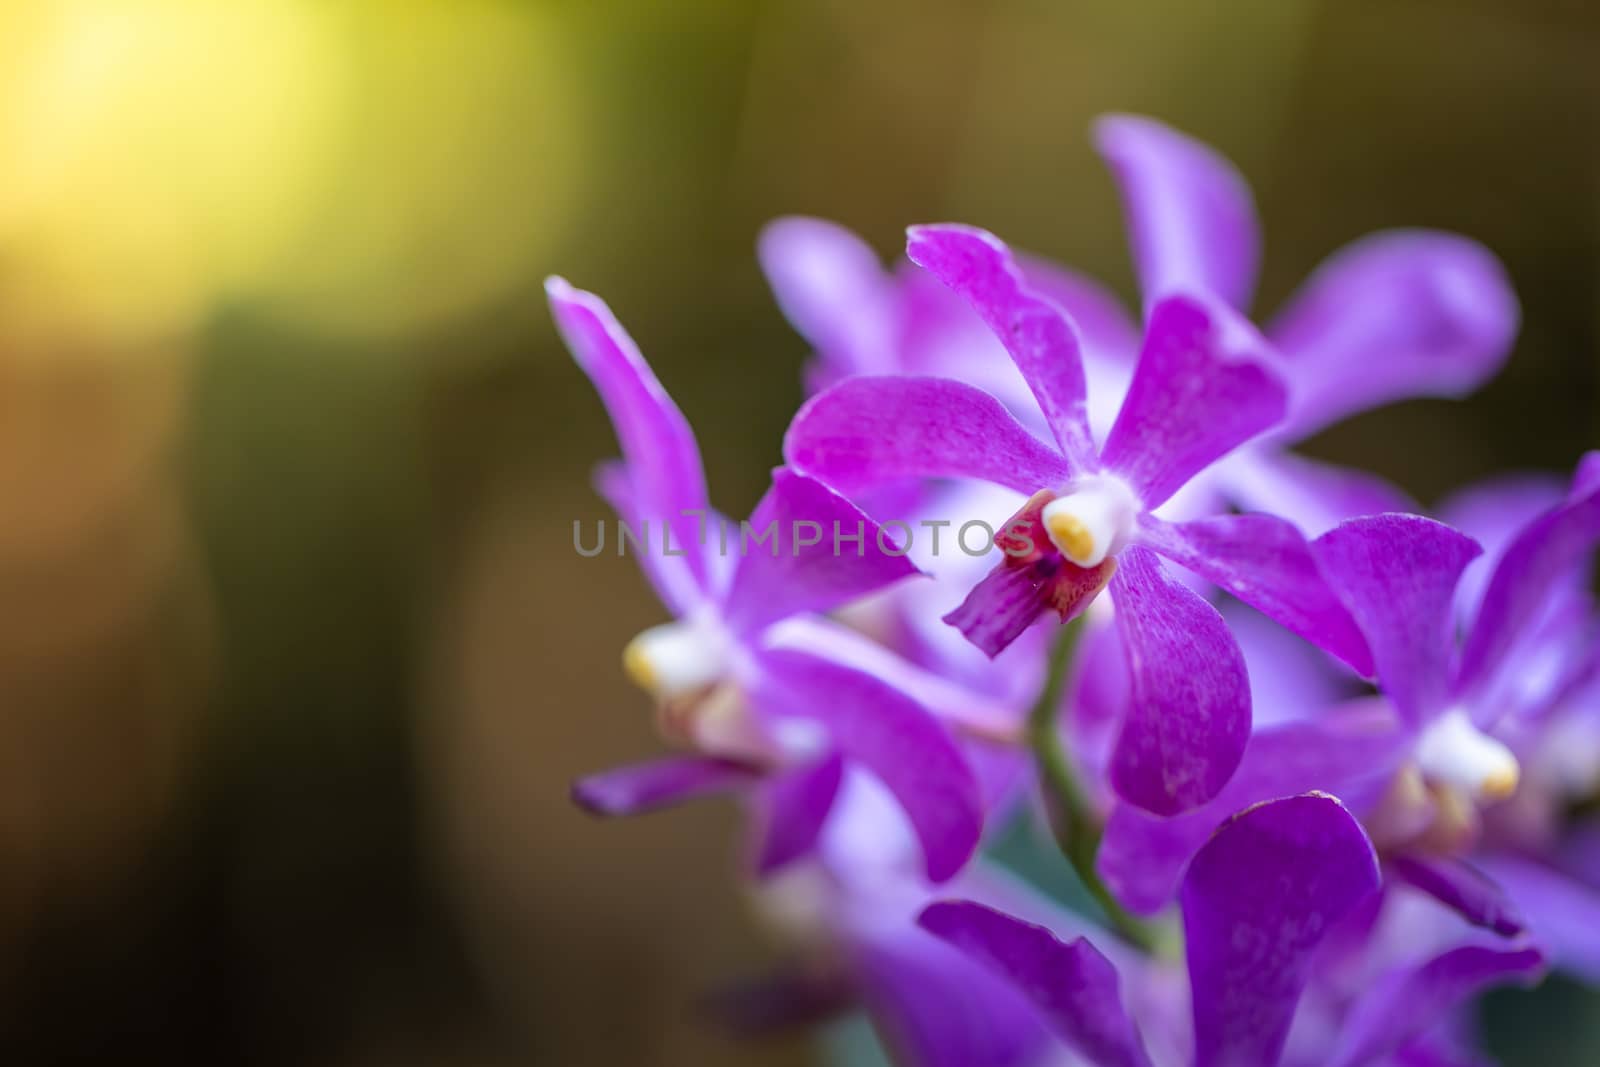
1077, 826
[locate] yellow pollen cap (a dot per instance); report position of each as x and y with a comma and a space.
1502, 783
636, 662
1069, 532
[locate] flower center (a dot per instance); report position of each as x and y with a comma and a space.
675, 659
1093, 519
1452, 751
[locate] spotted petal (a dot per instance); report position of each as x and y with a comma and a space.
1188, 716
1258, 899
1197, 394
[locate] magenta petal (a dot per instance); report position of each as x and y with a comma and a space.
867, 432
1142, 858
1407, 1001
1265, 562
1104, 326
661, 783
1258, 899
1394, 315
1042, 341
1072, 985
1190, 214
933, 1007
1548, 551
665, 477
835, 293
1460, 887
887, 733
669, 574
792, 809
1560, 911
1188, 714
783, 575
1000, 608
1315, 496
1493, 513
1196, 395
1397, 574
1012, 597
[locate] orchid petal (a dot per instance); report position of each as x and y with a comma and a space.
1397, 574
1265, 562
1105, 329
1042, 341
793, 806
1460, 887
834, 291
669, 573
1188, 716
933, 1007
892, 737
1406, 1001
1143, 858
1072, 985
868, 432
1196, 395
1313, 495
948, 699
1493, 513
1191, 218
1010, 598
1257, 901
647, 786
665, 478
799, 563
1559, 910
1395, 315
1548, 551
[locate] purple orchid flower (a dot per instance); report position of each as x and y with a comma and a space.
1197, 392
1395, 315
1421, 763
784, 717
1258, 901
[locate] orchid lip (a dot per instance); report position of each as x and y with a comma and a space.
1094, 518
1452, 751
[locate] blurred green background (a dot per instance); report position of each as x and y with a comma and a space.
296, 661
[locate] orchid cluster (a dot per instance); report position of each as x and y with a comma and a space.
1321, 761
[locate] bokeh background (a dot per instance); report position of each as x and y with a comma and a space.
296, 659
